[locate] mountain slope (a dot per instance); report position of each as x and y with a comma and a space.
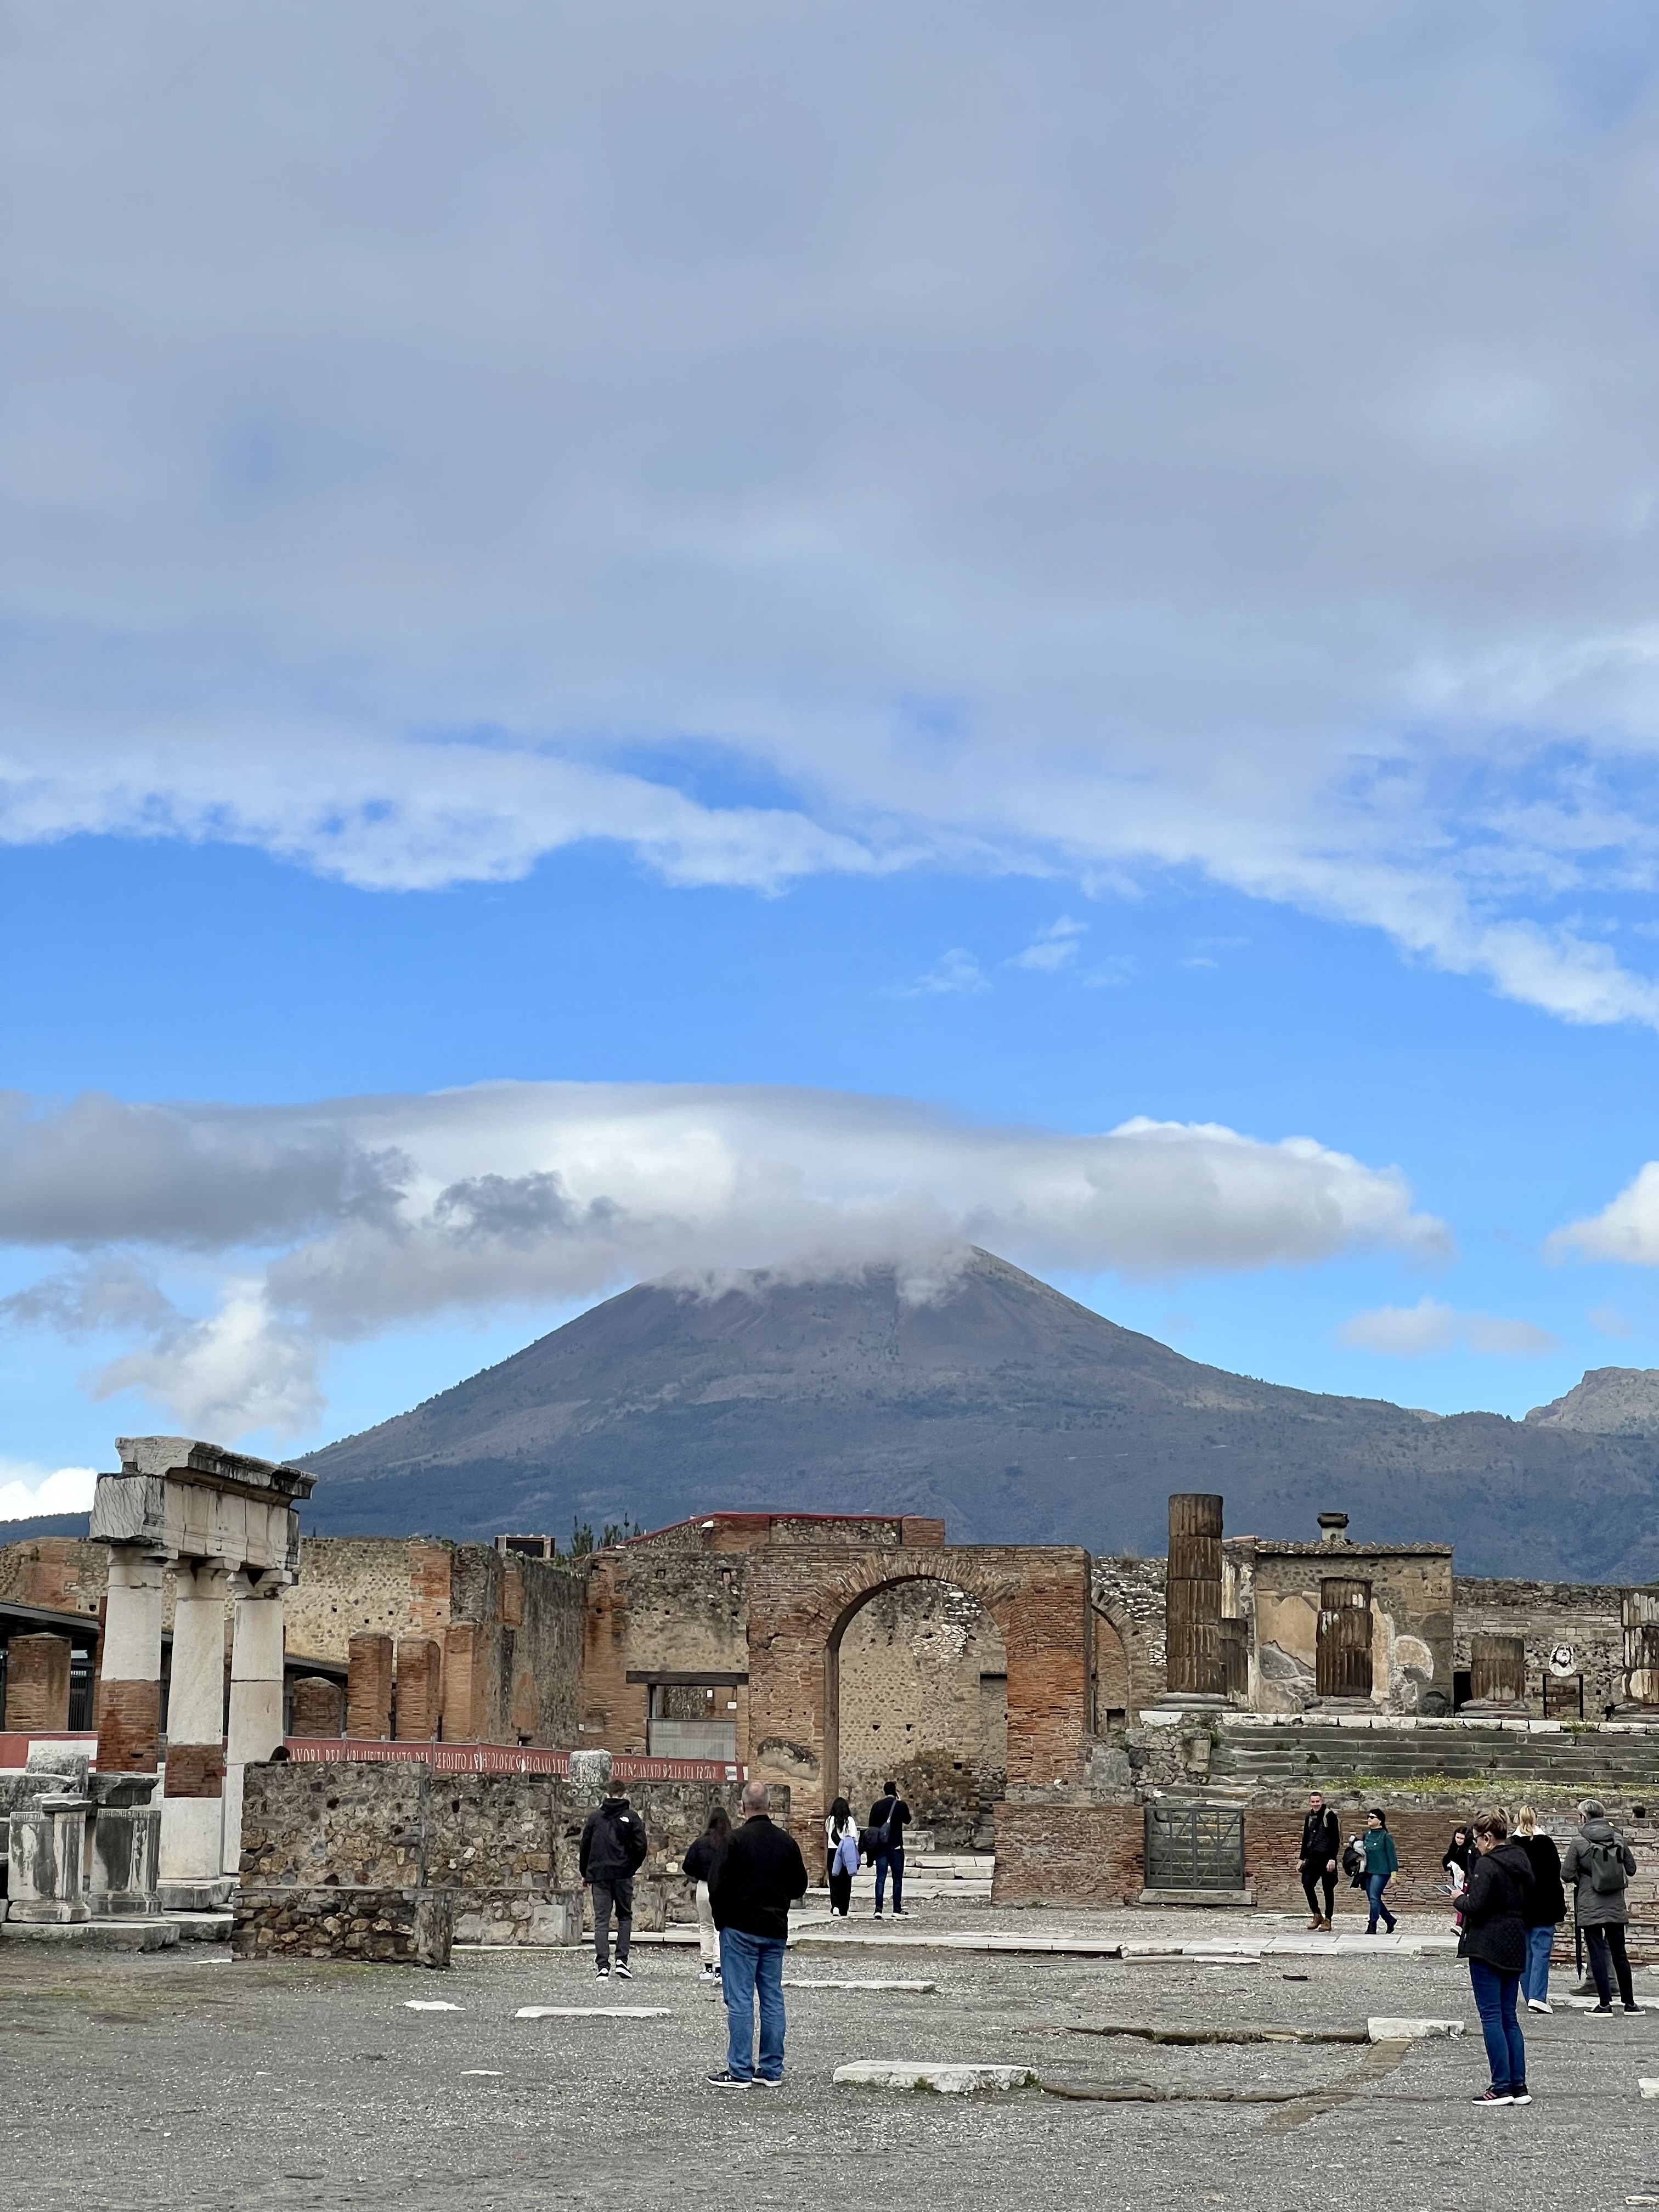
1017, 1414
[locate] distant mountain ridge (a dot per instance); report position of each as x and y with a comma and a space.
1609, 1401
1017, 1415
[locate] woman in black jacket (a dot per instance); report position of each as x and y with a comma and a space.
1546, 1908
1494, 1941
699, 1864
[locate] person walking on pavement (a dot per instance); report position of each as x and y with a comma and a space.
1382, 1864
1322, 1841
1598, 1864
613, 1845
760, 1875
1546, 1909
840, 1855
699, 1864
888, 1817
1494, 1941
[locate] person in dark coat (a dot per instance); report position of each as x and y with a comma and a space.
760, 1875
1322, 1845
1494, 1941
1599, 1862
613, 1845
1546, 1909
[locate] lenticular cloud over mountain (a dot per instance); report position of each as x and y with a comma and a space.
334, 1221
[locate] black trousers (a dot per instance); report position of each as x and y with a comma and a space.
1313, 1879
618, 1892
840, 1893
1601, 1940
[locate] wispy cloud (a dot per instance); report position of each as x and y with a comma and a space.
521, 1194
1431, 1325
956, 970
1052, 948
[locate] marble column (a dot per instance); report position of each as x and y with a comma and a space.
129, 1710
256, 1694
194, 1792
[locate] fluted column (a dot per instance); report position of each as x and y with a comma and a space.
1192, 1605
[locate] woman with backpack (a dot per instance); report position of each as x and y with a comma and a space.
840, 1837
1382, 1864
699, 1863
1546, 1909
1599, 1862
1494, 1941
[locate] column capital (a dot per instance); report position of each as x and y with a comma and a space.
255, 1582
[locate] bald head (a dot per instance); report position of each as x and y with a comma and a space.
756, 1797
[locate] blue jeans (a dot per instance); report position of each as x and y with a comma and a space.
895, 1860
1494, 2000
752, 1966
1535, 1974
1375, 1885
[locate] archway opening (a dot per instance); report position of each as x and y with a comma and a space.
920, 1690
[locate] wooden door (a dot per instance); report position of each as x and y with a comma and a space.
1344, 1647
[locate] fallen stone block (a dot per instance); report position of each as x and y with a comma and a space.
150, 1934
1649, 2087
430, 2004
948, 2079
1408, 2030
592, 2012
799, 1982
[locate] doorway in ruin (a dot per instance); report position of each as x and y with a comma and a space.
1342, 1650
920, 1684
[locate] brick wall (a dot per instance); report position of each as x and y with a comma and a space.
37, 1685
1068, 1855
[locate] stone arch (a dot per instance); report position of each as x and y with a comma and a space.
918, 1691
1114, 1696
802, 1597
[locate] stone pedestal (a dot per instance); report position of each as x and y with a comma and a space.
130, 1674
38, 1684
256, 1697
192, 1806
590, 1774
319, 1706
45, 1841
126, 1861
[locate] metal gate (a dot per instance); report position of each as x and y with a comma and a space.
1194, 1847
1343, 1650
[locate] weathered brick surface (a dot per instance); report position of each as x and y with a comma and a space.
396, 1927
1068, 1855
129, 1727
416, 1698
368, 1687
319, 1706
68, 1573
464, 1703
37, 1684
196, 1770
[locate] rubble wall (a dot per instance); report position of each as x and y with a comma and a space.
1579, 1620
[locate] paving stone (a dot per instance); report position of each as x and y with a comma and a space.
1383, 2029
593, 2012
950, 2080
800, 1982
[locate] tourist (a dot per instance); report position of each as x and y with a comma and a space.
699, 1863
888, 1816
613, 1845
840, 1855
1494, 1941
1456, 1860
1599, 1862
1321, 1840
760, 1876
1546, 1909
1382, 1864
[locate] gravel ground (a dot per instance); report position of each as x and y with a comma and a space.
194, 2081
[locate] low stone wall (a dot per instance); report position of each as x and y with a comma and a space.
506, 1846
395, 1926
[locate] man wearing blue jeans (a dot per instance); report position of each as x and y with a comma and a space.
890, 1812
749, 1892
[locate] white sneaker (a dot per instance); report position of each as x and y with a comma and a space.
707, 1977
1538, 2004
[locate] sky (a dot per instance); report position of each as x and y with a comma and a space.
672, 640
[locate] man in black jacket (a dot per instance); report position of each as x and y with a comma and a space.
1321, 1842
751, 1892
890, 1813
613, 1845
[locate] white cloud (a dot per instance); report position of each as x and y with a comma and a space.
955, 971
526, 1193
1626, 1228
1431, 1325
27, 1490
1055, 947
1064, 446
1607, 1321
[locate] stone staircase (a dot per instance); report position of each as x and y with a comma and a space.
957, 1877
1263, 1759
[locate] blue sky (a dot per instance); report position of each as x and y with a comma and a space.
1080, 581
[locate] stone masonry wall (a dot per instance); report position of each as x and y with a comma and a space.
1583, 1616
914, 1664
1128, 1594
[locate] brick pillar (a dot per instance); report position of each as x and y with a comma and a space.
38, 1684
462, 1686
420, 1667
368, 1688
130, 1664
319, 1706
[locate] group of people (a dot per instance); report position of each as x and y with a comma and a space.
1511, 1892
747, 1877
